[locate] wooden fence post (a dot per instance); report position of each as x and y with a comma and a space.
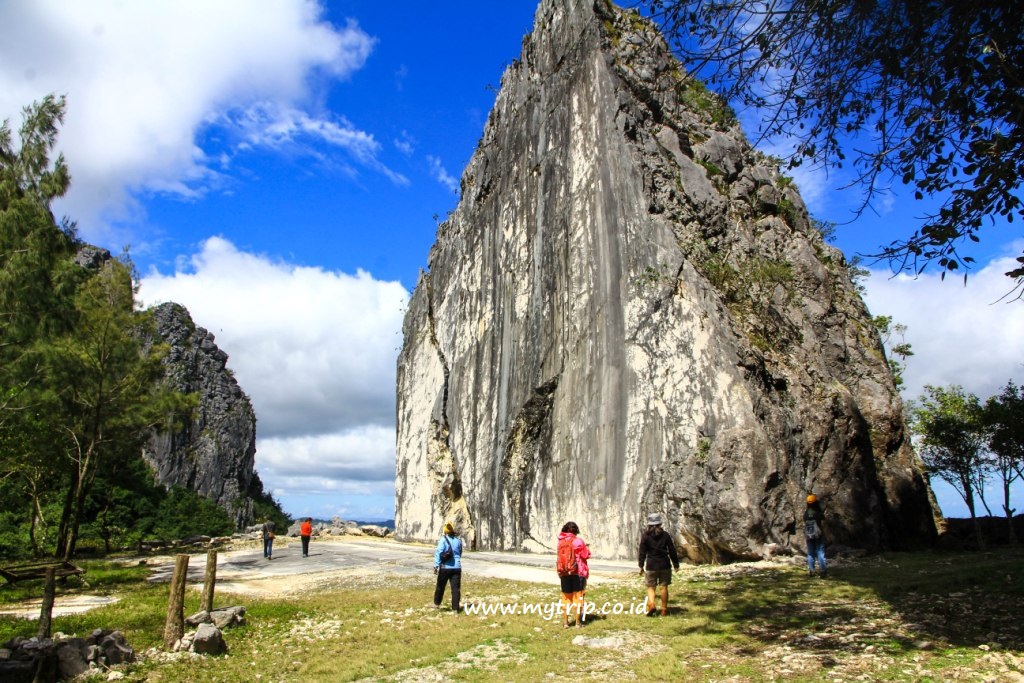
174, 627
206, 603
46, 612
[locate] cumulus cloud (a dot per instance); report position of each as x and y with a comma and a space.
959, 334
143, 80
359, 460
315, 350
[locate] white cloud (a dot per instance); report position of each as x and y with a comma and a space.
437, 170
277, 126
959, 335
315, 351
144, 79
358, 460
406, 144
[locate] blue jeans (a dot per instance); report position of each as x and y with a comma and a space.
816, 550
268, 546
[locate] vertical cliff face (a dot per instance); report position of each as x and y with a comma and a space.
214, 453
629, 312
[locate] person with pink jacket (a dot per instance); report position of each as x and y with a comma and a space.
573, 571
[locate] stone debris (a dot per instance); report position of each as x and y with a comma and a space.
483, 657
224, 617
605, 643
63, 657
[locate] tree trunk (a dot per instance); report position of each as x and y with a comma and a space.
174, 627
63, 530
1012, 538
32, 525
76, 516
969, 499
46, 611
206, 603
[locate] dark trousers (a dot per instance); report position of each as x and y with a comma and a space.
445, 575
305, 546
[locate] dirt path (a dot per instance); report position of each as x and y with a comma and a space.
362, 560
346, 562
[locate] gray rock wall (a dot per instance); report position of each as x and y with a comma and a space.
214, 453
629, 312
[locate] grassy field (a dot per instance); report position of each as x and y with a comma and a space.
901, 617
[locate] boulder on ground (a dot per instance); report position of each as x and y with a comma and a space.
200, 617
208, 640
228, 616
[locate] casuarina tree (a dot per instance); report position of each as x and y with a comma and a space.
80, 386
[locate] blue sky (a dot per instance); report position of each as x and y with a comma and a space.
281, 173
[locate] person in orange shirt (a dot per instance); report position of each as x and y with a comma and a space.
305, 531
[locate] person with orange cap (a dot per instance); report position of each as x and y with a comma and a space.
448, 567
814, 534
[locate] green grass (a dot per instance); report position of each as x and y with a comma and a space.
922, 616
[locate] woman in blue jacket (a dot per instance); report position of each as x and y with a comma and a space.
448, 566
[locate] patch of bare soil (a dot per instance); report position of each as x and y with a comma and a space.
482, 657
62, 605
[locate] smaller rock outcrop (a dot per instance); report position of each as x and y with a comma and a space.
214, 452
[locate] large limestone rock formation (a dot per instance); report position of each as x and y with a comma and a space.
629, 311
214, 453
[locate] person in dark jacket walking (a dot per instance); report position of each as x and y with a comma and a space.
448, 567
267, 531
657, 556
814, 534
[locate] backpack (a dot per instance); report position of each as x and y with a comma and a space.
447, 554
811, 528
565, 565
